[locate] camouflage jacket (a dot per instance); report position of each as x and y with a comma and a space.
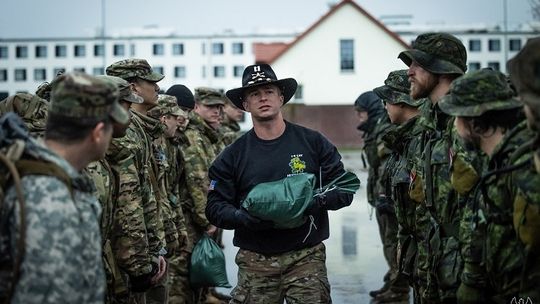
62, 259
376, 154
505, 193
230, 131
202, 149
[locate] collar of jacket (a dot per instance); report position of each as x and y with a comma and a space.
153, 127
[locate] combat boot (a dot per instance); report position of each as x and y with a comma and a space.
384, 288
393, 295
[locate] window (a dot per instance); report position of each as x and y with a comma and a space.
60, 51
217, 48
79, 69
515, 45
21, 51
3, 75
238, 48
203, 48
219, 71
158, 49
99, 50
119, 50
347, 55
98, 71
238, 70
180, 71
132, 50
40, 74
3, 52
158, 69
20, 74
494, 45
79, 50
474, 66
475, 45
56, 71
41, 51
299, 94
494, 65
178, 49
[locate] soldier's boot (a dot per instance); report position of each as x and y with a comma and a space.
384, 288
393, 295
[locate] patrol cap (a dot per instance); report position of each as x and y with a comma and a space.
166, 106
477, 92
81, 96
31, 108
183, 95
524, 71
209, 96
124, 88
396, 89
130, 68
437, 53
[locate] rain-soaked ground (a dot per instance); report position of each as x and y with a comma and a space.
354, 252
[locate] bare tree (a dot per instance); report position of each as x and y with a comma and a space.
535, 9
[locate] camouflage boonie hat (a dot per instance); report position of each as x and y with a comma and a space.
130, 68
396, 89
209, 96
81, 96
524, 71
124, 88
166, 106
477, 92
437, 53
31, 108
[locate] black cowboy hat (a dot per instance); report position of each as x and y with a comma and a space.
261, 74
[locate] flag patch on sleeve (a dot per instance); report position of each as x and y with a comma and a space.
212, 185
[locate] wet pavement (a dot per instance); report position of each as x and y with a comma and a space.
354, 252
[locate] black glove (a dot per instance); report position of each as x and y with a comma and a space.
143, 282
324, 201
251, 222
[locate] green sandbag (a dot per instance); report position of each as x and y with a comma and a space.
208, 264
283, 201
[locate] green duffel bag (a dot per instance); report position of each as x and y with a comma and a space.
283, 201
208, 264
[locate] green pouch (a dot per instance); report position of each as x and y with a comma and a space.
208, 265
283, 201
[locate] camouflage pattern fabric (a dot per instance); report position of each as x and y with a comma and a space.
62, 262
438, 53
31, 108
478, 92
297, 277
209, 96
396, 89
132, 68
229, 130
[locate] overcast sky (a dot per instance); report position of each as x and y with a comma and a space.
76, 18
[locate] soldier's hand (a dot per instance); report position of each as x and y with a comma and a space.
211, 230
161, 271
251, 222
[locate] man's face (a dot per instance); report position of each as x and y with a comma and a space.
394, 113
119, 130
210, 113
233, 113
171, 125
148, 90
470, 140
263, 102
182, 122
362, 117
422, 81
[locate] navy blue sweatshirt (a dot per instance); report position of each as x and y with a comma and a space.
250, 161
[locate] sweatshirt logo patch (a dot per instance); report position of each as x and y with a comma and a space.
296, 164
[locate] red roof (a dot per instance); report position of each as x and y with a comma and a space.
327, 15
264, 52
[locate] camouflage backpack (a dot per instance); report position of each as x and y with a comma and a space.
16, 161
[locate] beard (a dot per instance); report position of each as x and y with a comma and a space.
422, 90
471, 142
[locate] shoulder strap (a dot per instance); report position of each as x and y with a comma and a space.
39, 167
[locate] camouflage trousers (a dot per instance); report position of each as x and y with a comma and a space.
298, 277
180, 290
388, 230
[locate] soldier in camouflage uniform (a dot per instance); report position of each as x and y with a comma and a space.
374, 123
204, 144
435, 60
132, 157
490, 120
230, 129
62, 260
31, 108
107, 184
402, 111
